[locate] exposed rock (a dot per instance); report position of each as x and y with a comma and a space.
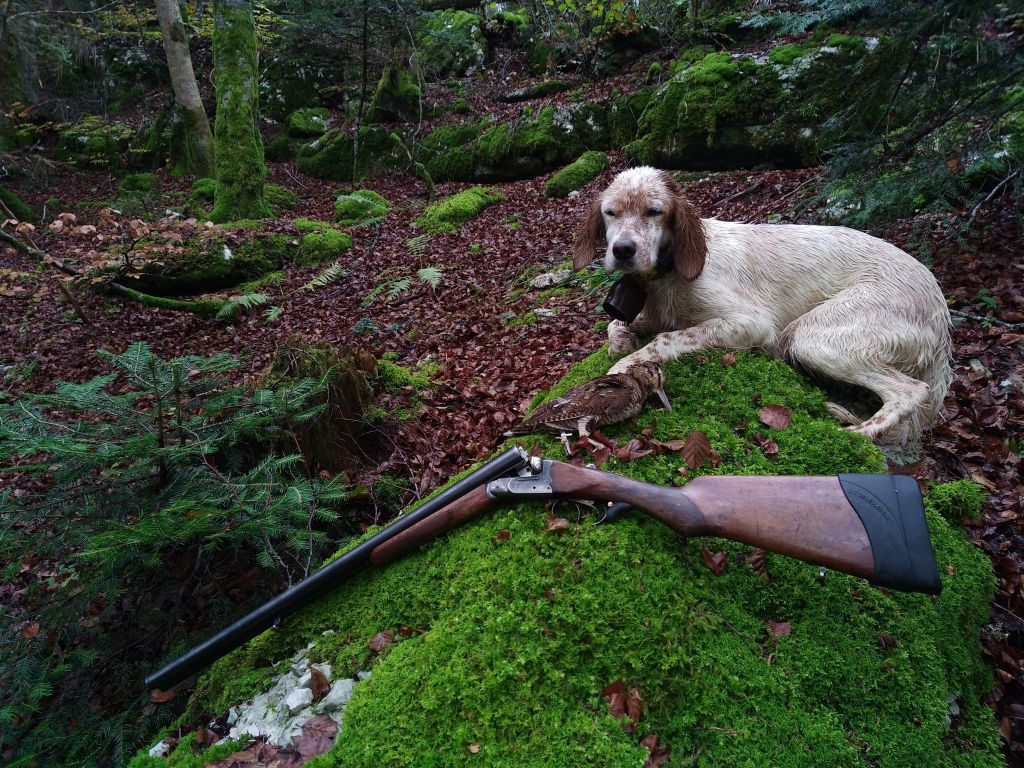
550, 279
162, 748
451, 43
298, 699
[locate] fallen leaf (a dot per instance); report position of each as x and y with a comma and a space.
32, 630
729, 358
886, 641
473, 748
696, 450
757, 560
780, 628
634, 706
615, 694
381, 640
318, 683
159, 697
775, 416
317, 736
557, 524
717, 562
657, 754
634, 449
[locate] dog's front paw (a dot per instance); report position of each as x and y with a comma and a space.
628, 362
620, 339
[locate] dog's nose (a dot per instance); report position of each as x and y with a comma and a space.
624, 250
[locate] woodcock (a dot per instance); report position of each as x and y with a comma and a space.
601, 401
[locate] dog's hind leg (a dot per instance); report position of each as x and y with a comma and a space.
842, 415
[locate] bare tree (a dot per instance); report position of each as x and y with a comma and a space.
198, 149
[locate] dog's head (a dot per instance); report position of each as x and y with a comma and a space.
648, 224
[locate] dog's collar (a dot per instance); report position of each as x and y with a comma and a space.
664, 265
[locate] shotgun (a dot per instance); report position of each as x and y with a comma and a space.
871, 526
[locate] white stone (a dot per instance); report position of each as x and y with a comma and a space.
298, 700
160, 749
544, 312
549, 279
338, 696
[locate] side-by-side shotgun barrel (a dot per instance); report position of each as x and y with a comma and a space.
326, 579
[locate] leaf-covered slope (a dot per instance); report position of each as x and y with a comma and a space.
511, 630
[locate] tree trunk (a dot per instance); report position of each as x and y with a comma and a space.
198, 141
239, 155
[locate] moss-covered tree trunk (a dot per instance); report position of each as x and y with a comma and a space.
196, 153
239, 148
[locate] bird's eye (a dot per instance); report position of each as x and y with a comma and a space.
653, 212
610, 214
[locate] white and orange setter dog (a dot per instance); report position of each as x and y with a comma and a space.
834, 301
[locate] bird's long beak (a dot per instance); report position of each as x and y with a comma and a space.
660, 392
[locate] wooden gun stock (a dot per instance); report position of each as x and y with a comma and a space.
871, 526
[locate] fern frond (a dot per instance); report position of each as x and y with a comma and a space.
245, 302
327, 276
430, 275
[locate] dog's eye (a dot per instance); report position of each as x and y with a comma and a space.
653, 212
610, 214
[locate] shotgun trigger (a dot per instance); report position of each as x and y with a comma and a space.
532, 482
613, 511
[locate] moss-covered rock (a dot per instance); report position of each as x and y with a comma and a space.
450, 213
623, 45
21, 210
536, 90
318, 247
538, 143
624, 115
451, 43
281, 149
396, 98
93, 143
516, 629
308, 122
333, 154
574, 176
361, 207
280, 198
209, 261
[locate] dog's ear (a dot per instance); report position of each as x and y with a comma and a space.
689, 244
584, 248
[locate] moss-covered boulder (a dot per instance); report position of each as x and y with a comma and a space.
361, 207
208, 261
450, 213
309, 122
280, 198
281, 149
507, 630
322, 246
332, 156
587, 166
93, 143
537, 143
396, 98
451, 43
21, 210
623, 45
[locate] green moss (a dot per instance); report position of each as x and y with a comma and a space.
280, 198
260, 283
624, 114
518, 628
318, 247
239, 146
654, 72
309, 122
392, 377
281, 149
138, 182
187, 755
311, 225
538, 90
702, 116
450, 213
93, 143
785, 55
957, 501
850, 42
574, 176
17, 206
203, 190
332, 155
447, 151
362, 207
396, 98
451, 42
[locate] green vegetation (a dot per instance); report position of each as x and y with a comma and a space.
318, 247
184, 467
93, 143
396, 98
308, 122
332, 156
17, 206
282, 148
450, 213
587, 166
280, 198
360, 208
451, 42
957, 501
519, 628
239, 146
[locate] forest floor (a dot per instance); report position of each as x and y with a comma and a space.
492, 352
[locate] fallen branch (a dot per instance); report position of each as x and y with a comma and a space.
205, 307
989, 320
739, 194
993, 193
